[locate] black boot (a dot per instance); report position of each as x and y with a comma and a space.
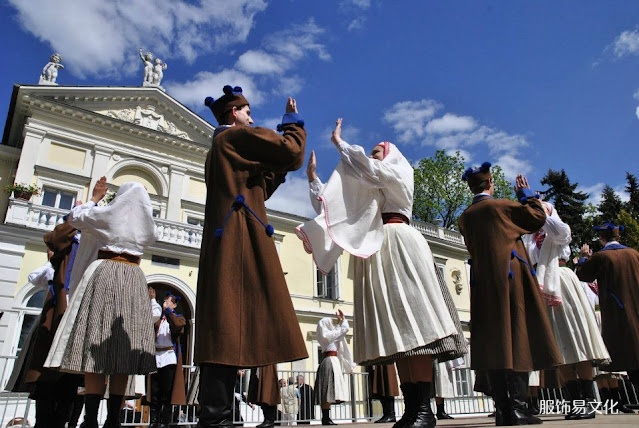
166, 416
45, 411
270, 416
388, 405
424, 417
216, 396
409, 390
154, 415
441, 412
91, 406
520, 414
616, 394
577, 390
326, 417
114, 405
500, 397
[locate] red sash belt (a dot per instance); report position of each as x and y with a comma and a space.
119, 257
394, 218
330, 354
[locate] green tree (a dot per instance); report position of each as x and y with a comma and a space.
610, 205
570, 205
630, 235
440, 194
632, 187
503, 188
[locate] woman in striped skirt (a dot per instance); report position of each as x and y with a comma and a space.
403, 313
107, 331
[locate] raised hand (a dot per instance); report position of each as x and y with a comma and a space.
311, 167
521, 183
291, 105
336, 137
99, 190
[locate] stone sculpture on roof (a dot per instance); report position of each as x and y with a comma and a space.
50, 71
153, 70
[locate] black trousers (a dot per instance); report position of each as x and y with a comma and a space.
162, 385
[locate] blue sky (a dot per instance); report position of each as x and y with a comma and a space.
526, 85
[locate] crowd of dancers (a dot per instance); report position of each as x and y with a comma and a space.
529, 310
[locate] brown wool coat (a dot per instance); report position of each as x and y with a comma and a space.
29, 367
509, 323
617, 274
263, 387
244, 313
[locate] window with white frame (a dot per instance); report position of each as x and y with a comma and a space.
58, 198
462, 379
328, 286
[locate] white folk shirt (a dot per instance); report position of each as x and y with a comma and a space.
163, 338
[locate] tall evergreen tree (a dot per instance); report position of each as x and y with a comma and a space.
570, 205
632, 187
610, 205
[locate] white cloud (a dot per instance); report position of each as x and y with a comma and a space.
297, 42
357, 23
636, 95
409, 119
423, 123
637, 112
627, 43
260, 62
292, 197
205, 83
594, 192
98, 38
450, 123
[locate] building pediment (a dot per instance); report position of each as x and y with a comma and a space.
147, 116
149, 108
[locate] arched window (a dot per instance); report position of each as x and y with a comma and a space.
28, 315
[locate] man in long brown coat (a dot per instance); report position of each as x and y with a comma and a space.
52, 390
510, 331
245, 317
616, 269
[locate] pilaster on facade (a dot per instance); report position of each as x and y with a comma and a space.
29, 157
176, 191
101, 158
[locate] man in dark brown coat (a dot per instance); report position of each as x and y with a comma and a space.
53, 391
245, 317
616, 269
510, 331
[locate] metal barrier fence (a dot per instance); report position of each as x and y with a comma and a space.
20, 409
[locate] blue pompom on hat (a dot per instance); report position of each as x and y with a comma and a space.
232, 98
475, 176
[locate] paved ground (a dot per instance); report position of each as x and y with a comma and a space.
619, 420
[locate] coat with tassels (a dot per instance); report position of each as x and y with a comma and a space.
509, 323
245, 317
616, 269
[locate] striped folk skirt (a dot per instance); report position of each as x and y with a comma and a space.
402, 308
330, 382
107, 328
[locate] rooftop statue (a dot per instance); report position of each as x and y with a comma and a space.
50, 71
153, 70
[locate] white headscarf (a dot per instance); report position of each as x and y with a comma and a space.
352, 202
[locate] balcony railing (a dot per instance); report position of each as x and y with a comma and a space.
45, 218
42, 217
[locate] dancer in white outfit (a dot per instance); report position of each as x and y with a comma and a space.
402, 313
571, 317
